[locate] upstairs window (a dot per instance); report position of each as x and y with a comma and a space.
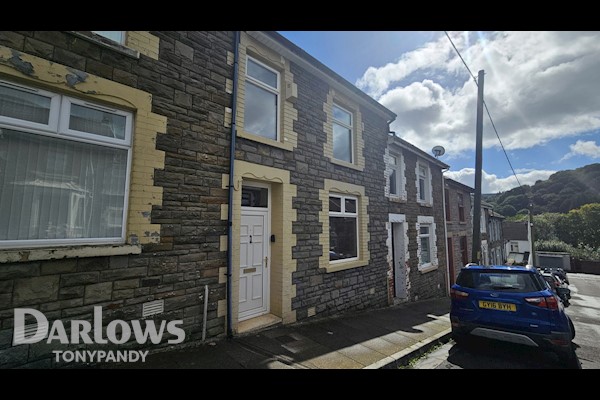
262, 97
395, 180
343, 141
461, 207
64, 169
115, 36
423, 183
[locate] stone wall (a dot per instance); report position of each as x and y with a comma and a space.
188, 86
430, 284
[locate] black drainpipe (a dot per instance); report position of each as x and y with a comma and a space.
231, 189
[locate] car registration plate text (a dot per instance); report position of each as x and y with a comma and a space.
494, 305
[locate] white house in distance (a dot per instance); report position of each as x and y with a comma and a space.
516, 241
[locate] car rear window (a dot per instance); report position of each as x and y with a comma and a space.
513, 281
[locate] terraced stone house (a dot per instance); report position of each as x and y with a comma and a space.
121, 187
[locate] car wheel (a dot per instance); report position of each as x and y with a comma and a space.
572, 328
568, 359
459, 338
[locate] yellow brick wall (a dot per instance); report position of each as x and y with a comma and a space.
144, 42
145, 158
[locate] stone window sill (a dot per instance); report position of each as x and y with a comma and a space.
268, 142
52, 253
425, 268
345, 265
345, 164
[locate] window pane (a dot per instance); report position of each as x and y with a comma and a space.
350, 205
255, 197
260, 114
19, 104
422, 171
262, 74
59, 189
393, 160
342, 238
393, 189
335, 204
342, 143
421, 189
342, 116
424, 230
117, 36
425, 256
85, 119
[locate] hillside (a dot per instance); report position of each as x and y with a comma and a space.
563, 191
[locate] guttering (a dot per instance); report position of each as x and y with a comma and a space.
230, 186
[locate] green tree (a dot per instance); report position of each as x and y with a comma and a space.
544, 226
507, 210
587, 225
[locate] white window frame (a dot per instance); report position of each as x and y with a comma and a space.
121, 41
66, 113
344, 214
398, 170
433, 263
421, 236
426, 184
60, 109
342, 124
276, 92
54, 107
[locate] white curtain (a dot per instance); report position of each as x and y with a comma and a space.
52, 188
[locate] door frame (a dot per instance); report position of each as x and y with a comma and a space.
398, 242
266, 211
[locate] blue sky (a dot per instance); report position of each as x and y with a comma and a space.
542, 89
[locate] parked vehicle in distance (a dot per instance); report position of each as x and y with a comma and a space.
562, 274
558, 286
512, 304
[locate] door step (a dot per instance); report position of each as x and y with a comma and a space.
258, 323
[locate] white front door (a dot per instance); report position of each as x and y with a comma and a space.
399, 260
254, 267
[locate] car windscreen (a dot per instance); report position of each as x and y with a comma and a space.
513, 281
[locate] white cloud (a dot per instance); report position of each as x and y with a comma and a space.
490, 183
585, 148
538, 86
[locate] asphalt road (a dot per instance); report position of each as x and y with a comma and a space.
487, 354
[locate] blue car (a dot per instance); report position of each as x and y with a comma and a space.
512, 304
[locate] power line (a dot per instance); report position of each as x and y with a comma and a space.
486, 109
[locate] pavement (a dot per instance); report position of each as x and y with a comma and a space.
384, 338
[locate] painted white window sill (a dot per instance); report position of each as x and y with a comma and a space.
263, 140
397, 198
425, 203
346, 265
53, 253
425, 268
345, 164
107, 43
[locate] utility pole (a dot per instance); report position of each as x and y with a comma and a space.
532, 260
476, 253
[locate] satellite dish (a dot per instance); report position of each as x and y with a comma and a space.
438, 151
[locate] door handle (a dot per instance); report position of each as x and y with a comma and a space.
250, 238
266, 262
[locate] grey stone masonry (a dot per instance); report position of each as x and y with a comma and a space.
187, 84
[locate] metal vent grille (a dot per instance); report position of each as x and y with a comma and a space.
153, 308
